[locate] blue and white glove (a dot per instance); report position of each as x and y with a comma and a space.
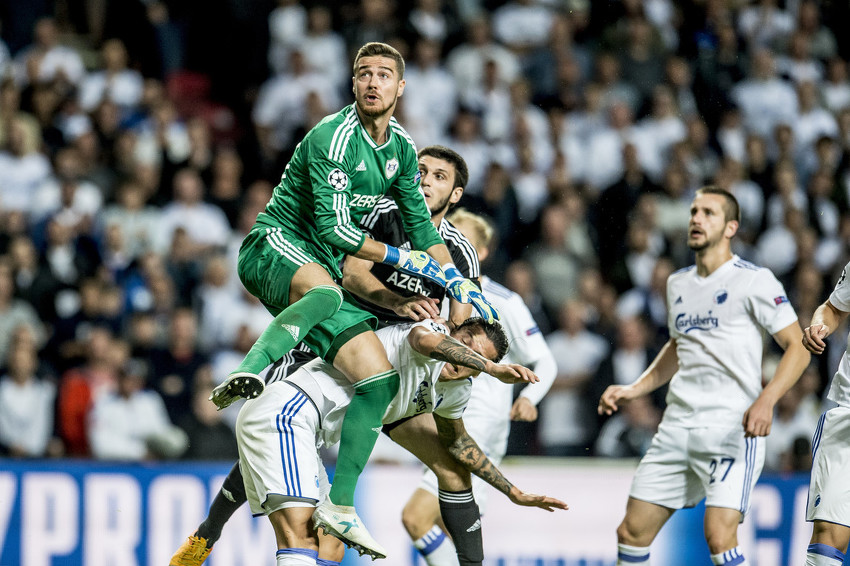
463, 290
415, 263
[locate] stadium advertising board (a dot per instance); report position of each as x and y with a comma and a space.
89, 514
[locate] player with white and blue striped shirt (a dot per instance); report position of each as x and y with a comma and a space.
829, 489
708, 445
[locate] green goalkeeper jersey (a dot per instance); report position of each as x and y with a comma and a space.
336, 176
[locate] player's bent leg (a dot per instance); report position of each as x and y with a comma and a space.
230, 497
828, 545
638, 529
422, 521
457, 506
364, 362
195, 549
721, 533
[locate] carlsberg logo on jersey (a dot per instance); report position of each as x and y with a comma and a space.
687, 322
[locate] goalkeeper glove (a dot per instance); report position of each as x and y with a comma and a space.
416, 263
465, 291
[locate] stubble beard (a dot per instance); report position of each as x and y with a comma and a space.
376, 111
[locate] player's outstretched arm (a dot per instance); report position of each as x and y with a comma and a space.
465, 450
438, 346
759, 417
357, 278
660, 371
825, 320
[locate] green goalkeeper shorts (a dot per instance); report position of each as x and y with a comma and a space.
268, 260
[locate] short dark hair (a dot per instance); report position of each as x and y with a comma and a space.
450, 156
731, 208
378, 49
494, 332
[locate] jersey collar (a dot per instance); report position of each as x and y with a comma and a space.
366, 135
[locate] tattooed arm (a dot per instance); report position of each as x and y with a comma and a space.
468, 454
445, 348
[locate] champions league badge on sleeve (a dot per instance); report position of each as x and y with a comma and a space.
391, 167
338, 179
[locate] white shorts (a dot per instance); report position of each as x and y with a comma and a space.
829, 489
493, 441
685, 465
278, 450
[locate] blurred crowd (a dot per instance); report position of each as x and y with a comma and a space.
139, 139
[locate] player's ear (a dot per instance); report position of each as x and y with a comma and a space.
731, 229
457, 193
401, 84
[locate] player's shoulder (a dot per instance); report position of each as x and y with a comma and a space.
744, 265
682, 273
403, 139
332, 134
495, 289
751, 273
459, 244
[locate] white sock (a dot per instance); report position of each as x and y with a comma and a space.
823, 555
632, 555
436, 548
296, 557
734, 557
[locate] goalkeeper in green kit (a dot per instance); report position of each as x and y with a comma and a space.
290, 261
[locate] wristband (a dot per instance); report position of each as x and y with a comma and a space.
452, 272
392, 256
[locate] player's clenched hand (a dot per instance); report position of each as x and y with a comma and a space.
613, 397
513, 373
416, 263
758, 418
813, 338
518, 497
523, 410
417, 307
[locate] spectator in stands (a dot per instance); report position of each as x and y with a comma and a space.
34, 282
765, 100
820, 39
26, 421
22, 167
131, 423
324, 48
116, 82
565, 421
287, 30
175, 366
467, 61
431, 99
556, 271
522, 24
205, 225
46, 59
81, 387
14, 312
209, 437
835, 90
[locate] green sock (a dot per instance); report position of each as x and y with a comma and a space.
291, 326
360, 429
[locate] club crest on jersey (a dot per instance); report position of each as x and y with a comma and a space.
391, 167
338, 179
779, 300
721, 296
